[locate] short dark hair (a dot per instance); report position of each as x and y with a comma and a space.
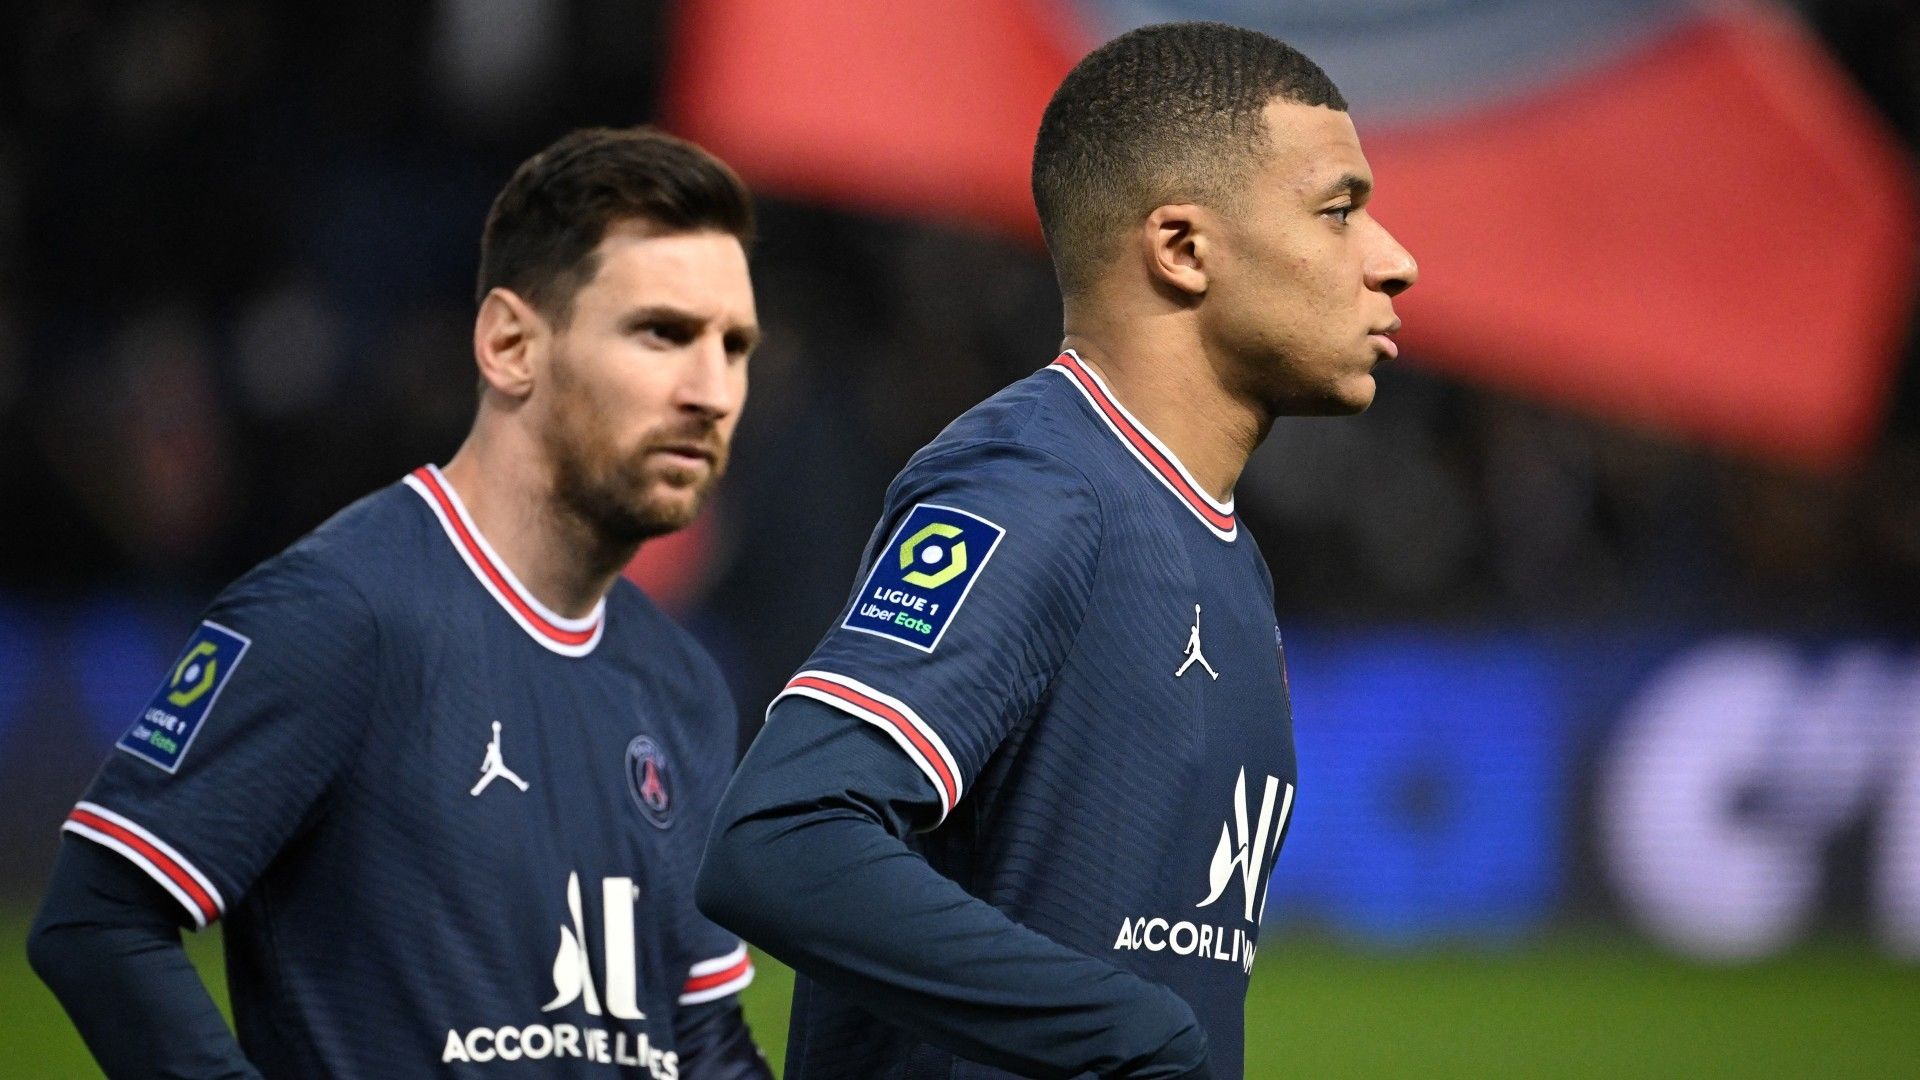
1166, 113
544, 225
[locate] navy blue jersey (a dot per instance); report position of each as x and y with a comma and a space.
448, 831
1077, 648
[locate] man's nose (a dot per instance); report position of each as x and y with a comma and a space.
706, 385
1392, 269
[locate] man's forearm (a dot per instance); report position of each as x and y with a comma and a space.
716, 1045
106, 943
824, 883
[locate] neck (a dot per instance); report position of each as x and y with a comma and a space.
1169, 383
509, 494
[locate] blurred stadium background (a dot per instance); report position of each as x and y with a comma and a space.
1603, 624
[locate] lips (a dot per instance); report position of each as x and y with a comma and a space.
1382, 338
687, 452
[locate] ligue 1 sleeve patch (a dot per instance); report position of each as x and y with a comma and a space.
920, 579
167, 725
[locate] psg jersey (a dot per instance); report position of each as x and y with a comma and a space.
448, 831
1076, 646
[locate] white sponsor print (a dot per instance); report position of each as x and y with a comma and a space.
537, 1042
573, 982
1248, 844
1250, 858
1188, 938
573, 977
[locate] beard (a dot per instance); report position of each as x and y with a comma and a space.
625, 496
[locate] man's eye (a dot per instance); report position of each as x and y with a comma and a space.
673, 333
1340, 212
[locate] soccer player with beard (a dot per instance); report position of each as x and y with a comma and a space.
442, 772
1017, 812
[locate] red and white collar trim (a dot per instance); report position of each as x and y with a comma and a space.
1148, 450
568, 637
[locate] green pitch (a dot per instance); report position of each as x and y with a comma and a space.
1571, 1006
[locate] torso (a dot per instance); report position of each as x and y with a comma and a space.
463, 919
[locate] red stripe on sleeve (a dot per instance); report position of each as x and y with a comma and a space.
718, 978
208, 909
950, 789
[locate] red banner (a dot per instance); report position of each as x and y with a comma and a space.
1707, 233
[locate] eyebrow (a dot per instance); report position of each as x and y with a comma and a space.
751, 333
669, 313
1349, 184
663, 313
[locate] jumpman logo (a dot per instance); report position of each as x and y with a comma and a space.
1193, 649
493, 768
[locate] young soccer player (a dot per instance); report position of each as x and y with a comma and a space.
1017, 813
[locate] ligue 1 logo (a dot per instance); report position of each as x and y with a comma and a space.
922, 577
647, 781
195, 674
165, 729
924, 547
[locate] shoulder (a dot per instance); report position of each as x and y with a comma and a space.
367, 545
652, 639
1042, 412
1257, 556
1021, 445
381, 533
341, 575
959, 504
1000, 483
1020, 475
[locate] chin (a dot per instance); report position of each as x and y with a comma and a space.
1343, 398
669, 510
1356, 397
670, 494
635, 516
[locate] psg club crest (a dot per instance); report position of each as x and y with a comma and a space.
647, 780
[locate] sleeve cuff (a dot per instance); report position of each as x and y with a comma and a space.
160, 861
890, 715
710, 980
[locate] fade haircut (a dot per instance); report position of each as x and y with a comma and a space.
543, 228
1164, 114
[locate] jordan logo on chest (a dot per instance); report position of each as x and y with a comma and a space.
1194, 654
494, 767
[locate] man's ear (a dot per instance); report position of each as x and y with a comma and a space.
509, 338
1177, 244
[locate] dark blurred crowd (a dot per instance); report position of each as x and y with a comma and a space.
236, 249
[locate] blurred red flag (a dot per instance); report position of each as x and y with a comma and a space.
673, 569
1694, 224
